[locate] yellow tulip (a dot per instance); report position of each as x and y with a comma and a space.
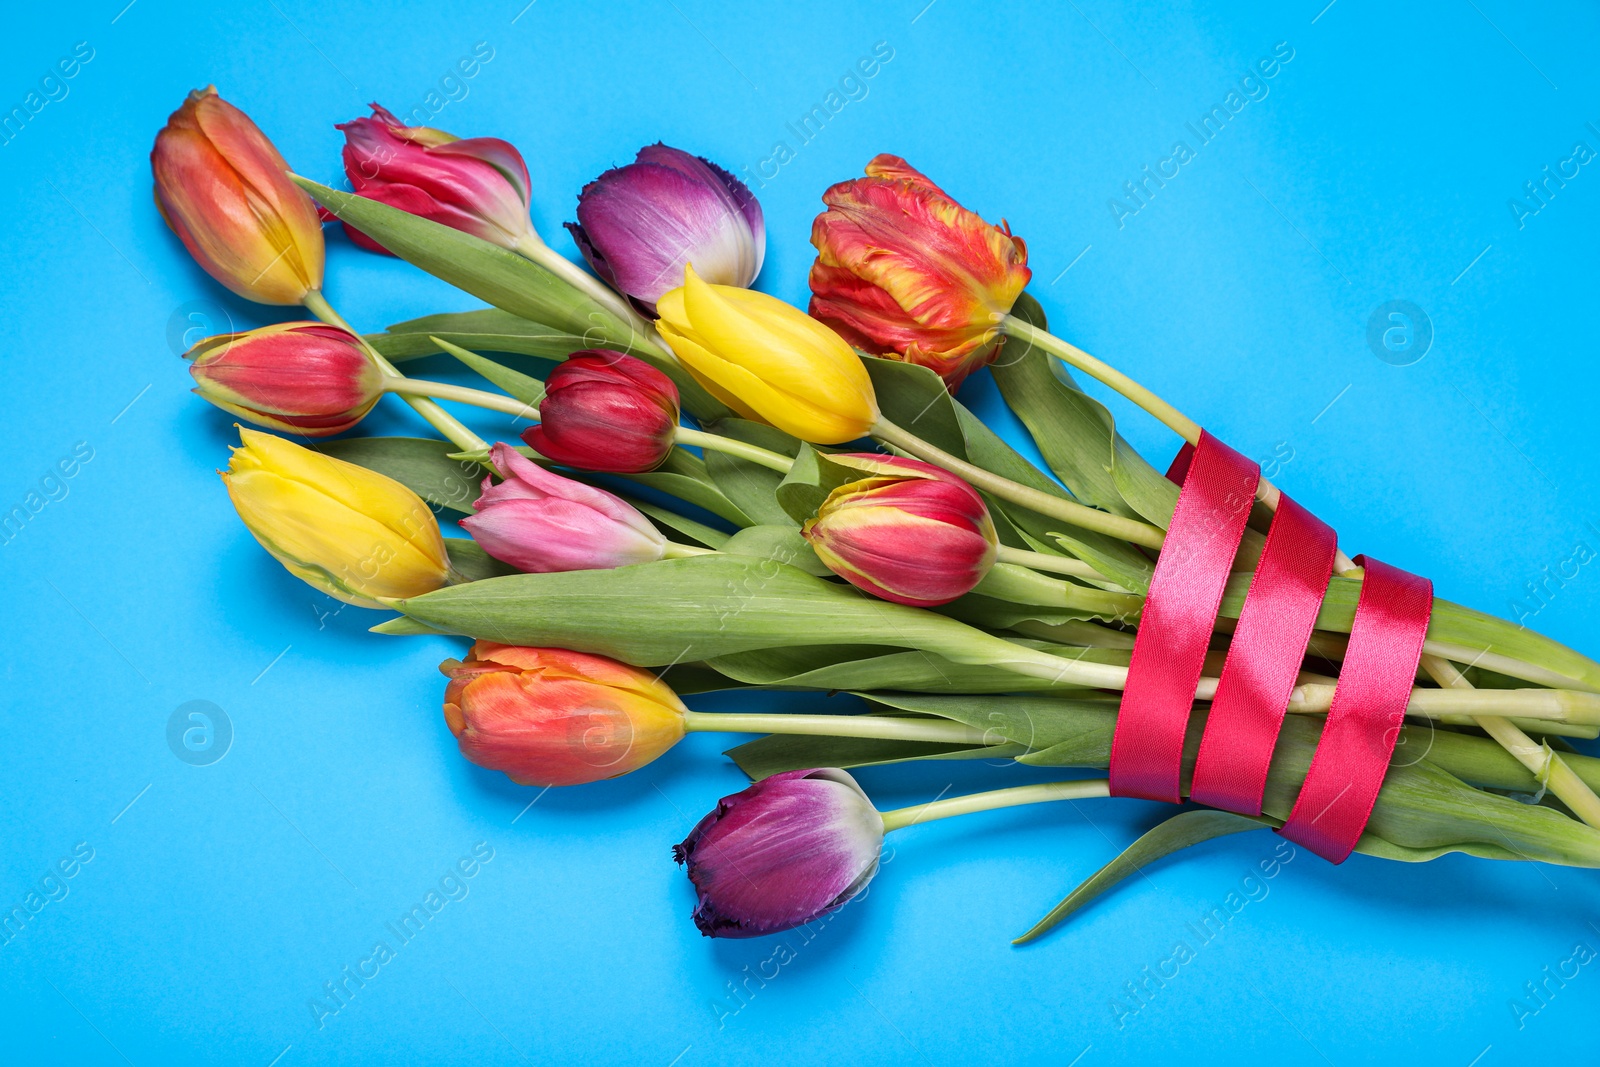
769, 361
351, 532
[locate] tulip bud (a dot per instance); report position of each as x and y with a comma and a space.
297, 377
911, 533
226, 193
540, 522
785, 851
904, 271
606, 411
640, 225
353, 533
547, 716
769, 361
479, 185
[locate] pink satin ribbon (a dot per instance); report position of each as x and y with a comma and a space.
1264, 658
1263, 661
1180, 610
1369, 705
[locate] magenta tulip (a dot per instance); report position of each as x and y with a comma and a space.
478, 185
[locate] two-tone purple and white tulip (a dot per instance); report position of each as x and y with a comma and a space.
797, 845
785, 851
540, 522
639, 225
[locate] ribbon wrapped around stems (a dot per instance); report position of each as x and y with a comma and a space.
1264, 658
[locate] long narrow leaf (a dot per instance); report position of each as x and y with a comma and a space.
1177, 833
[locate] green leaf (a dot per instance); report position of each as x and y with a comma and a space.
493, 274
914, 398
1036, 721
1075, 433
684, 476
1179, 832
809, 481
420, 463
696, 531
470, 561
484, 330
751, 486
687, 610
854, 667
400, 626
781, 543
519, 386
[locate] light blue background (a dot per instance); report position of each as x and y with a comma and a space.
1379, 167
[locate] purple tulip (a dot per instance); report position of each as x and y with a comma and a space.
640, 224
785, 851
540, 522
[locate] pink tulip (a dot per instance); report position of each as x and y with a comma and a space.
540, 522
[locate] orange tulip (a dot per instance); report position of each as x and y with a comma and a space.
904, 271
225, 191
547, 716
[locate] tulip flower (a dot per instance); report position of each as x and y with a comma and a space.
910, 533
785, 851
225, 191
351, 532
479, 184
797, 845
904, 271
769, 361
296, 377
606, 411
640, 225
539, 522
547, 716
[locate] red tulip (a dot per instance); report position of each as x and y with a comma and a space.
606, 411
296, 377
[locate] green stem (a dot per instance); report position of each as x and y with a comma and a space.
1020, 585
1140, 533
462, 394
437, 417
1043, 561
718, 443
531, 247
879, 726
1080, 789
1103, 372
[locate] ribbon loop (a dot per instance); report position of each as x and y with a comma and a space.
1180, 610
1369, 706
1263, 661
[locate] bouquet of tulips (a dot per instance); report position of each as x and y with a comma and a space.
720, 491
